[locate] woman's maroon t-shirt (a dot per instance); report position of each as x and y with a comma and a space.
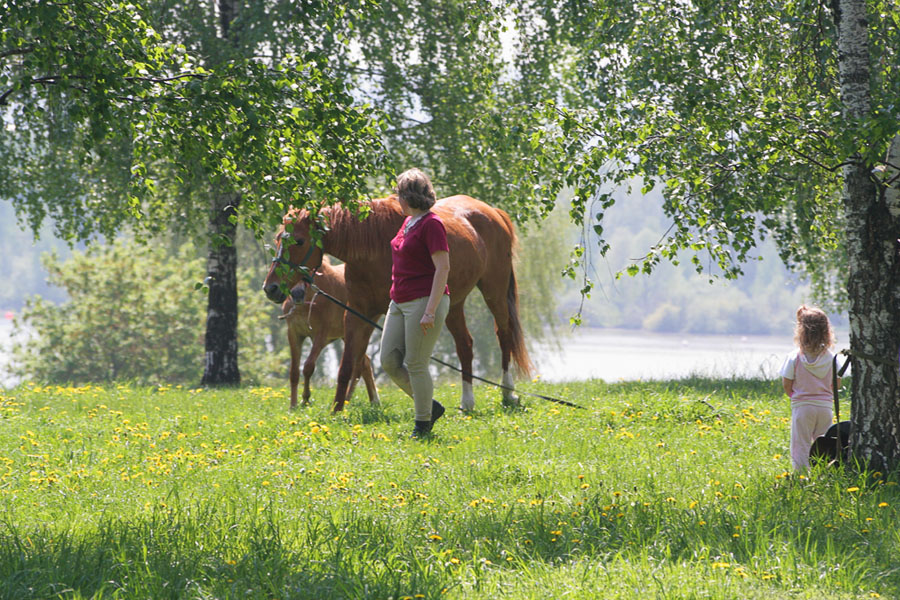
413, 270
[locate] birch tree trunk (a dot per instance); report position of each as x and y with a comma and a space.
221, 367
873, 229
221, 341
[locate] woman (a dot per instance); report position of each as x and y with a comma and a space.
420, 297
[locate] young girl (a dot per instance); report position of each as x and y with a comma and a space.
806, 377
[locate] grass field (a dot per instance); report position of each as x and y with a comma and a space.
657, 490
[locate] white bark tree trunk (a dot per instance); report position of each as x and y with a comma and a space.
873, 229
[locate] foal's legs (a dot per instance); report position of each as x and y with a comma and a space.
456, 325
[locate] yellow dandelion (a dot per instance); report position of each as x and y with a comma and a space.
882, 505
852, 489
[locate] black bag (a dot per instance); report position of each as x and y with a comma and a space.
827, 447
831, 447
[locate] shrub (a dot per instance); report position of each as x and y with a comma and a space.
132, 314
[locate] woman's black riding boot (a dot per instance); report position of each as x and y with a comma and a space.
423, 428
437, 411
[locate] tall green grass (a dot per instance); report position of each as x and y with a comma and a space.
656, 490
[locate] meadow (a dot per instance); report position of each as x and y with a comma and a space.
673, 489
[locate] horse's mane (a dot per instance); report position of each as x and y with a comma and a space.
350, 238
347, 236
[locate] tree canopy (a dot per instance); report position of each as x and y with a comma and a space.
755, 117
104, 113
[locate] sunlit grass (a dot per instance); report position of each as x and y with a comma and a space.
676, 490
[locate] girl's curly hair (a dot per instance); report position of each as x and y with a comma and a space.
813, 332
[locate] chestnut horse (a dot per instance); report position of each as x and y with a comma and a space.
311, 315
482, 242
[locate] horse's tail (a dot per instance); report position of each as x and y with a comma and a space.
516, 336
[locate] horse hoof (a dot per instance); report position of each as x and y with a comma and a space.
511, 401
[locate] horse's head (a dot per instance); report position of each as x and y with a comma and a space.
296, 257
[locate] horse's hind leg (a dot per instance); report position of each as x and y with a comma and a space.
456, 325
496, 303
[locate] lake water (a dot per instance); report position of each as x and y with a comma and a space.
614, 354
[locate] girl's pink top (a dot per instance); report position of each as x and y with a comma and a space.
812, 379
413, 270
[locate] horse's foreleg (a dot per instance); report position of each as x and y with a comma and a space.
369, 378
354, 379
356, 339
296, 343
309, 366
456, 325
363, 369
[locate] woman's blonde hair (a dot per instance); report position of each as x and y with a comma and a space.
813, 332
415, 188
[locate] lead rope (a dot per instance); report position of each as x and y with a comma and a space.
437, 360
311, 303
835, 373
837, 407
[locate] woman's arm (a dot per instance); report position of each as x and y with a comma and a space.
441, 262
